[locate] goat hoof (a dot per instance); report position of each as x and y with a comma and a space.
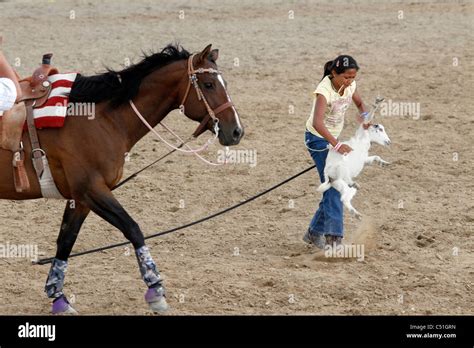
356, 214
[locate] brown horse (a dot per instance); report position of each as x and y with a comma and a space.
87, 155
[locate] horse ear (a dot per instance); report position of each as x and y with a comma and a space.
205, 53
214, 55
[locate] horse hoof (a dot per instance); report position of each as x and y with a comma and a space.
62, 306
155, 297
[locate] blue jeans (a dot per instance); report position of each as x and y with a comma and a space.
329, 218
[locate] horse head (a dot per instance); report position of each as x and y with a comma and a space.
206, 100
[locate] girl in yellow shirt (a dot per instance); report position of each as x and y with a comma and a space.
333, 95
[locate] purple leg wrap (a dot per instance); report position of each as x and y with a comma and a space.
60, 305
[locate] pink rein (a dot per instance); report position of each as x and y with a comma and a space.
190, 150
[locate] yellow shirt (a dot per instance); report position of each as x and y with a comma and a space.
336, 107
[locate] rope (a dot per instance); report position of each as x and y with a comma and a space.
235, 206
133, 176
216, 130
153, 131
316, 150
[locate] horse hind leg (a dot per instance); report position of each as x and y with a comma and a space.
103, 203
74, 216
347, 193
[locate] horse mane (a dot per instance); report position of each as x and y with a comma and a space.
107, 87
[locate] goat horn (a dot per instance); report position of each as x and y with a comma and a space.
375, 106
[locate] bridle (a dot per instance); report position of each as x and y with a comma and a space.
211, 114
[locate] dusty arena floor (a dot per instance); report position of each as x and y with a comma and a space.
418, 213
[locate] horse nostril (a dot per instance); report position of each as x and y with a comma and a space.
237, 133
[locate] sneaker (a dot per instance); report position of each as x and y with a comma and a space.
330, 240
317, 239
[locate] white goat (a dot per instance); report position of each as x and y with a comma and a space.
341, 169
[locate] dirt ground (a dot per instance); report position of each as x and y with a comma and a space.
418, 213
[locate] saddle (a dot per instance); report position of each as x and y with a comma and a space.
35, 91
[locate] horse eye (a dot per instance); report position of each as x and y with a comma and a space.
208, 85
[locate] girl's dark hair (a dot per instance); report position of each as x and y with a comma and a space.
340, 64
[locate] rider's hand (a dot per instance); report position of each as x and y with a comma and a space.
344, 149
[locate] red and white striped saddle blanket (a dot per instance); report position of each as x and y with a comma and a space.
53, 113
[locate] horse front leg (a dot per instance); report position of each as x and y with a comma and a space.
102, 202
74, 215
